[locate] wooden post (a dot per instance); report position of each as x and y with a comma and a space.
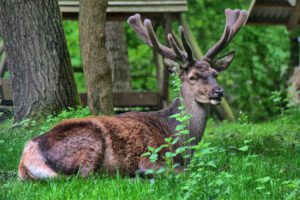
295, 16
294, 45
165, 75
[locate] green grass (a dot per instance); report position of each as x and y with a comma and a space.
234, 161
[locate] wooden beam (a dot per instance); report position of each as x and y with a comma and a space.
295, 17
121, 99
272, 6
266, 23
132, 99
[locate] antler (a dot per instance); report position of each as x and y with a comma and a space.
146, 33
234, 20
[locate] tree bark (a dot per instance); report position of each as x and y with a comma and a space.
117, 56
92, 17
38, 58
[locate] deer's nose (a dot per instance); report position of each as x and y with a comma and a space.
218, 92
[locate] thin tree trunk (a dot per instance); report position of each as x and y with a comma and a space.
38, 59
92, 17
117, 56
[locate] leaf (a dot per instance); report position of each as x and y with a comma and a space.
146, 154
160, 148
264, 180
151, 149
170, 154
244, 148
149, 171
247, 141
153, 157
168, 140
175, 116
180, 127
161, 170
175, 141
180, 150
212, 164
184, 132
260, 188
1, 141
190, 140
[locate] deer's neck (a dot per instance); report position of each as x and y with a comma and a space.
198, 121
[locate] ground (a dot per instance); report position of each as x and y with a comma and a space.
238, 160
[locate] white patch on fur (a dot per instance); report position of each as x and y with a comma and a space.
35, 163
214, 102
40, 173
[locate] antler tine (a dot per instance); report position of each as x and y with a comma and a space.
186, 45
146, 33
240, 21
223, 41
161, 49
136, 23
234, 20
176, 48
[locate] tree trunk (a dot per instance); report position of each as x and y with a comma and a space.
117, 56
38, 59
92, 17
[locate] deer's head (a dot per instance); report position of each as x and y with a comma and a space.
198, 76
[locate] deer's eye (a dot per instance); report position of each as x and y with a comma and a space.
193, 78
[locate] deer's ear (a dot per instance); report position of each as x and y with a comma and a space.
222, 63
171, 65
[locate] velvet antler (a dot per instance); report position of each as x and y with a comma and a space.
146, 33
234, 20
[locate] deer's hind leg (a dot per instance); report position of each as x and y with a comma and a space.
145, 165
90, 163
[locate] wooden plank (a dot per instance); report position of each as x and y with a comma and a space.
1, 47
132, 99
273, 5
121, 99
132, 6
295, 17
3, 65
5, 89
6, 97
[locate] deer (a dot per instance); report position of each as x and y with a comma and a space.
115, 144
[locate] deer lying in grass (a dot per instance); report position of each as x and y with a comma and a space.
111, 144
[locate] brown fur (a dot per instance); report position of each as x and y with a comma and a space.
107, 144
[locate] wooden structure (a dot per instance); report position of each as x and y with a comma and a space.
162, 12
275, 12
120, 10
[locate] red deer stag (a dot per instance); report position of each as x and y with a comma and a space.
111, 144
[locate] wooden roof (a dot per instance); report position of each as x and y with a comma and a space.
121, 9
275, 12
